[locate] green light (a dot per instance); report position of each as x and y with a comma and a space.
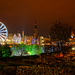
30, 49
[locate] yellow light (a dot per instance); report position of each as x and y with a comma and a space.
73, 48
28, 52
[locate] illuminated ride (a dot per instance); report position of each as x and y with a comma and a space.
3, 32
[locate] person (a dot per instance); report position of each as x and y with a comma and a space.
62, 48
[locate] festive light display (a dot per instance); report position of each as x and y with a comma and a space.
22, 49
17, 39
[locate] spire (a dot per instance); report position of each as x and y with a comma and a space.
35, 22
35, 25
35, 31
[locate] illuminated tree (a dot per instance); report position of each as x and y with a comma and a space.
0, 51
5, 51
26, 49
34, 49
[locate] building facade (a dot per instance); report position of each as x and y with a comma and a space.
34, 39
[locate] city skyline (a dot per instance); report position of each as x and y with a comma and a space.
21, 15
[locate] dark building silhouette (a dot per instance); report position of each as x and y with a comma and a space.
35, 31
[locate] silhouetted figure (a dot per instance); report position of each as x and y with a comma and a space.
58, 49
62, 48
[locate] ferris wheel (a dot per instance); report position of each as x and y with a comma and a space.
3, 32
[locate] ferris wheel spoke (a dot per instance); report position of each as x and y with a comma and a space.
2, 38
1, 26
4, 31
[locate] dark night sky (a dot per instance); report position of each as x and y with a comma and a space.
20, 15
